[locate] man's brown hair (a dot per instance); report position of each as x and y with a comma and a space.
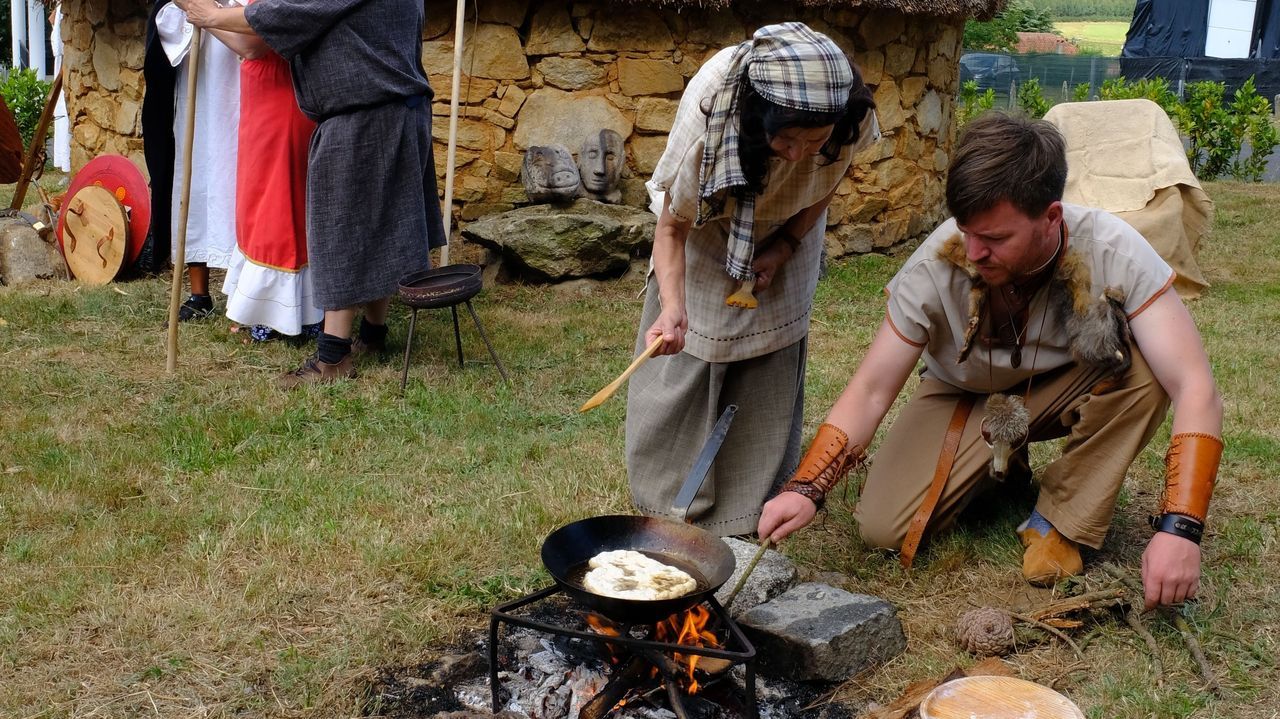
1006, 157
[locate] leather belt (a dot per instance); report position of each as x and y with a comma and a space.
946, 458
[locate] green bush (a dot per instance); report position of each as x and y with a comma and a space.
972, 104
1080, 92
1156, 90
1031, 98
1252, 115
25, 94
1001, 32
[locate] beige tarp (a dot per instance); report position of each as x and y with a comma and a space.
1125, 157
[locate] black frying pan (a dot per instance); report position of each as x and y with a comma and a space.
566, 551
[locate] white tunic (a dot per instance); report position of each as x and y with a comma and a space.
211, 221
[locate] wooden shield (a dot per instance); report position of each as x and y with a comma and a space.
984, 697
95, 235
119, 176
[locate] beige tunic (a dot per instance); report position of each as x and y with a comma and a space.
928, 301
718, 333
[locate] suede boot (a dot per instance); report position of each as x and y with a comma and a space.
1049, 557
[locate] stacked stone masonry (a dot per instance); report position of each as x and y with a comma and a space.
548, 71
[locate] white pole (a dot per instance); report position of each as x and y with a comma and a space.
451, 156
35, 39
17, 31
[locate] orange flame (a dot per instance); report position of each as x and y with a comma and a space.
690, 629
604, 627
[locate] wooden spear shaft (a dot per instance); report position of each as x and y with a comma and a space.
37, 143
184, 203
451, 155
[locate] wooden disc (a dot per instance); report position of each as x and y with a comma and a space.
985, 697
95, 236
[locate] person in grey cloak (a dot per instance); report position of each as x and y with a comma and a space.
765, 132
372, 209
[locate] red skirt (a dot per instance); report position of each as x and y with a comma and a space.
271, 174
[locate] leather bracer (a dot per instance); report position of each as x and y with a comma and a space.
829, 459
1191, 467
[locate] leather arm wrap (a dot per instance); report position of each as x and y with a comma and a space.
1191, 467
829, 459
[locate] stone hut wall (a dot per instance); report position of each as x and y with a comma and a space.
546, 71
542, 71
103, 53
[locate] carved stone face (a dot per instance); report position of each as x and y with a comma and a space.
549, 174
600, 162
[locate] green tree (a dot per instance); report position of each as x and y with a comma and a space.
1000, 33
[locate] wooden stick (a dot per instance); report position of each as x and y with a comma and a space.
184, 203
459, 22
1134, 620
1082, 601
742, 581
37, 144
1210, 680
1052, 630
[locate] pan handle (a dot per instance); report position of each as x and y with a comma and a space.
702, 465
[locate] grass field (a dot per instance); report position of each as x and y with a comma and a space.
202, 545
1103, 37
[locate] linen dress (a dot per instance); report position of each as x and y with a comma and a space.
268, 282
211, 219
373, 211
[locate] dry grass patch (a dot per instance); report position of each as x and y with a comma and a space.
203, 545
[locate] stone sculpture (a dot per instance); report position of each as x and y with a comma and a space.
549, 174
600, 165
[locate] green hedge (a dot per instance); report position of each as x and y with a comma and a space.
25, 94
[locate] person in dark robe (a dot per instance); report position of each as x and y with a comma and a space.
373, 213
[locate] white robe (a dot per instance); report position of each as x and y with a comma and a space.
61, 123
211, 221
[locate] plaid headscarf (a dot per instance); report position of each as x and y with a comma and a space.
787, 64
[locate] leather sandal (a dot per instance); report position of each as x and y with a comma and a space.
1049, 557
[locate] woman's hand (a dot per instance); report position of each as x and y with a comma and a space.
201, 13
671, 325
768, 262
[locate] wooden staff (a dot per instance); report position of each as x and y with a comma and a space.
184, 204
452, 154
37, 144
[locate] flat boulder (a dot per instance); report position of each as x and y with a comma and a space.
25, 256
559, 242
814, 632
773, 575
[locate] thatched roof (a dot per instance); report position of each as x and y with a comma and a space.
981, 9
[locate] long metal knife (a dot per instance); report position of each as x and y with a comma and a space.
702, 465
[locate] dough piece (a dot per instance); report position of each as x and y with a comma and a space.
627, 574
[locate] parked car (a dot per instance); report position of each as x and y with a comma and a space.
990, 71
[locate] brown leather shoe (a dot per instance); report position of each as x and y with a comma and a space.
1049, 558
313, 371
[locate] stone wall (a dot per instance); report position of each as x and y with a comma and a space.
543, 71
104, 45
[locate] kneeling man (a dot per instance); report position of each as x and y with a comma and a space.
1047, 320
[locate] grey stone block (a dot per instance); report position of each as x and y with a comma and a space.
25, 257
817, 632
774, 575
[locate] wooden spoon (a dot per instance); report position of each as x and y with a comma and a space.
607, 391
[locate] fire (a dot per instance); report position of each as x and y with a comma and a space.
604, 627
690, 629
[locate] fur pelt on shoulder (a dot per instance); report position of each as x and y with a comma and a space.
1097, 326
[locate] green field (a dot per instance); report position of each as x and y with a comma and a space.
1104, 37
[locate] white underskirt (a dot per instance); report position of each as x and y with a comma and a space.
259, 295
